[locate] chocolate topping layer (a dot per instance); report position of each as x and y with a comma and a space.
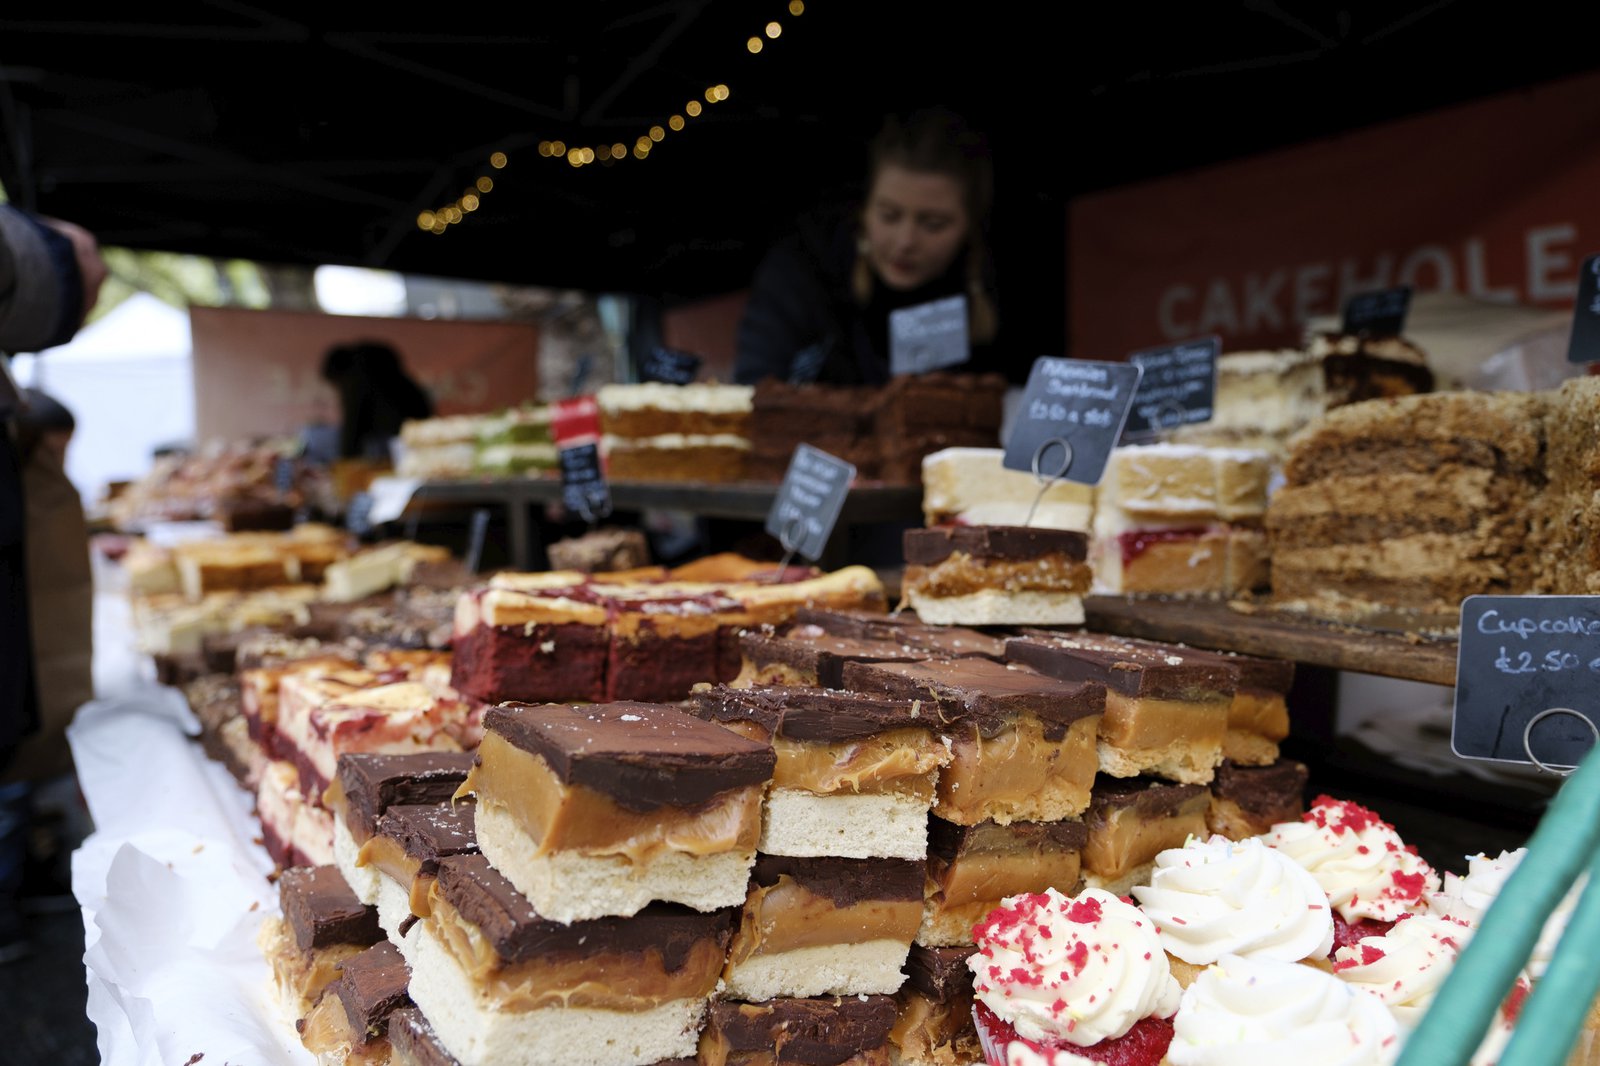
987, 693
940, 973
374, 783
808, 1032
844, 882
372, 986
949, 841
321, 910
925, 547
643, 755
824, 715
1146, 795
429, 832
809, 649
940, 642
1261, 789
414, 1040
1133, 668
518, 934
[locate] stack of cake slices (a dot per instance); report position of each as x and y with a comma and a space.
515, 442
659, 432
440, 447
1413, 503
1181, 519
833, 418
1566, 518
919, 414
617, 843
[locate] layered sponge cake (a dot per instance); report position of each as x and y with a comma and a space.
1413, 503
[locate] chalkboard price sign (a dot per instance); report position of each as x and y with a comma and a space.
929, 336
1520, 657
1378, 314
584, 489
670, 366
1584, 347
1179, 387
808, 503
1082, 403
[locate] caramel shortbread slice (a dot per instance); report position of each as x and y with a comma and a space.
905, 628
1166, 707
996, 575
597, 810
1247, 801
934, 1026
971, 869
366, 786
351, 1023
406, 849
806, 656
1022, 745
837, 1031
825, 926
502, 983
1131, 821
855, 774
322, 926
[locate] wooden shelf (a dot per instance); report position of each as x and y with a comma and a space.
1254, 630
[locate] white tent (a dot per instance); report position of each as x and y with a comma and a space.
129, 381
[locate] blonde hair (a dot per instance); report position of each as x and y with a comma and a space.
939, 142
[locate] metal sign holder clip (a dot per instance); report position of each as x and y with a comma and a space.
1046, 480
1527, 737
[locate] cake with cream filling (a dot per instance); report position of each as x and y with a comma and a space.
996, 575
598, 810
971, 487
1409, 504
660, 432
1181, 519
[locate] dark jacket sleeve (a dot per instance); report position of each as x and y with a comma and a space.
41, 294
788, 312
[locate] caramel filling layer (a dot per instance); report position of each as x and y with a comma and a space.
1126, 839
773, 675
561, 817
338, 804
1139, 722
986, 879
787, 917
1259, 712
962, 575
988, 777
388, 855
901, 761
930, 1032
635, 981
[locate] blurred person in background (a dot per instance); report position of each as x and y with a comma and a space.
820, 301
50, 277
376, 397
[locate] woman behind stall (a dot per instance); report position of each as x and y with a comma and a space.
820, 302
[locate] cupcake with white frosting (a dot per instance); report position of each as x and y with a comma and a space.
1261, 1012
1053, 976
1217, 897
1372, 877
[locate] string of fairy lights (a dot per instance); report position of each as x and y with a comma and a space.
440, 219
